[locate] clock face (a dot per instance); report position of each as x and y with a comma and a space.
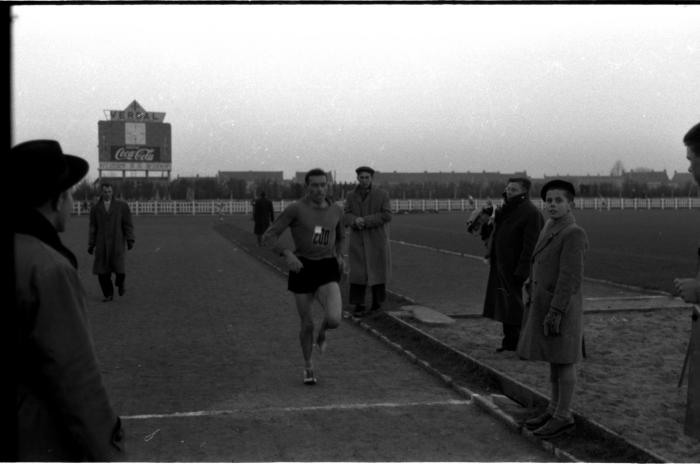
135, 133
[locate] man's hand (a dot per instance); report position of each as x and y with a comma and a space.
129, 244
552, 323
91, 249
688, 289
293, 263
360, 222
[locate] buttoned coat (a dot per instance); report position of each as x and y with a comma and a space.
556, 276
368, 249
517, 225
63, 412
109, 233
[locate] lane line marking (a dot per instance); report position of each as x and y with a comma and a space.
290, 409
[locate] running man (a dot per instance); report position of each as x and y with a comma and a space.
315, 264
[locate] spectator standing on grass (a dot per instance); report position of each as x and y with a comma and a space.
553, 329
516, 227
315, 262
63, 412
263, 215
689, 288
368, 213
111, 233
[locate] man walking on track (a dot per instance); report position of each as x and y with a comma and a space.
517, 225
63, 413
368, 213
315, 262
263, 215
111, 230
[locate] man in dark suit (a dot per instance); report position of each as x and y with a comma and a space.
263, 216
516, 227
111, 233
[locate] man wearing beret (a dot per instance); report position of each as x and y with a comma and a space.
517, 225
111, 231
368, 213
63, 412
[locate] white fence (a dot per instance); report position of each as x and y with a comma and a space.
228, 207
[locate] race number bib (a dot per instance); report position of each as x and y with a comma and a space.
321, 236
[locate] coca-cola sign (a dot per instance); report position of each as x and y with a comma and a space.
135, 153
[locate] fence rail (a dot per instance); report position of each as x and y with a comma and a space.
228, 207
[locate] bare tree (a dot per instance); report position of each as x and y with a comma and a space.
618, 169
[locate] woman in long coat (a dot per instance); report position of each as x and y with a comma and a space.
553, 330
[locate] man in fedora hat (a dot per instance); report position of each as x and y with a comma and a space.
368, 213
63, 412
111, 233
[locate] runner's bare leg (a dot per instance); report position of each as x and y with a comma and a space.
328, 295
306, 333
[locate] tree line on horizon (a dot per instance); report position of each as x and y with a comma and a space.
208, 188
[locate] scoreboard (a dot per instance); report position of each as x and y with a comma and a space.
134, 140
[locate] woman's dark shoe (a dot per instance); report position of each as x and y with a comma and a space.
555, 427
538, 421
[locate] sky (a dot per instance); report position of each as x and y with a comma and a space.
549, 89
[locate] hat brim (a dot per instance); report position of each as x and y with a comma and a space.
77, 169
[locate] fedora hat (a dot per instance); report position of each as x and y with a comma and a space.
41, 170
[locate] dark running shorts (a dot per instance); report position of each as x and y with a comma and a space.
314, 274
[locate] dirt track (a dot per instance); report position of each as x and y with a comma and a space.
208, 332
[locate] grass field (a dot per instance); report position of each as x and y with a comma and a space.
645, 248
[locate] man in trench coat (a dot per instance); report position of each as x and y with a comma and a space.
517, 225
368, 213
63, 413
111, 233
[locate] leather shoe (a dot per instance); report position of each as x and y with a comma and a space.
555, 427
538, 421
121, 289
108, 298
359, 311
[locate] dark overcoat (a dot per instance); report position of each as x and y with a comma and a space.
263, 215
109, 233
555, 282
63, 412
369, 252
517, 225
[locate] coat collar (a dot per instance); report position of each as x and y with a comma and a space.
33, 223
551, 230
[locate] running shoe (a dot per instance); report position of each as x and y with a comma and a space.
309, 378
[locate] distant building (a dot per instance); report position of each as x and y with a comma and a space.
584, 182
651, 179
251, 177
299, 177
483, 178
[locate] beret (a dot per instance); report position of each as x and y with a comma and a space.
557, 184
